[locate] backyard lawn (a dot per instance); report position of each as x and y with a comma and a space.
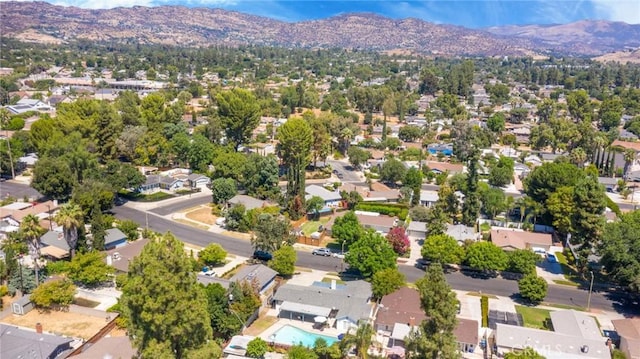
534, 317
312, 226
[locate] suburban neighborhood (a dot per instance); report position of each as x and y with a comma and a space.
264, 202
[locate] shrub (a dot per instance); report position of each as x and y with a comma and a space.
213, 254
532, 288
484, 307
390, 209
56, 267
54, 295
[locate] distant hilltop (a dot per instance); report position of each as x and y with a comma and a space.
193, 27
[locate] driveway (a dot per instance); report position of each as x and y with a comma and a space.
349, 174
549, 271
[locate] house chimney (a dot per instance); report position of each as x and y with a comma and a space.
333, 284
412, 321
38, 328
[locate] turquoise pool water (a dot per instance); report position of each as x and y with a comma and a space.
291, 336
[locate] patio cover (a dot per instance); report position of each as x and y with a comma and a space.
306, 309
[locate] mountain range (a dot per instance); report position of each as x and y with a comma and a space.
183, 26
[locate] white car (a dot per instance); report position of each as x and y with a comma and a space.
337, 255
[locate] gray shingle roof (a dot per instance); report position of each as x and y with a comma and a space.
113, 235
352, 301
327, 196
248, 202
54, 238
261, 273
20, 343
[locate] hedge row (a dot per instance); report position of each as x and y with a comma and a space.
484, 307
389, 209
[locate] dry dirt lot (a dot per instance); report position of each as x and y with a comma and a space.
65, 323
202, 215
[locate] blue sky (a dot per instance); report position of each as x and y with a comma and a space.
470, 13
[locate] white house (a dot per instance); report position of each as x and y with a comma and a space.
332, 199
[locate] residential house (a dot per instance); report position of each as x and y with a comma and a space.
21, 343
627, 135
576, 335
248, 202
263, 277
332, 199
28, 160
154, 183
428, 198
120, 257
27, 105
549, 157
442, 167
54, 245
376, 221
151, 184
461, 233
109, 347
511, 239
400, 312
197, 180
344, 306
417, 230
629, 332
15, 212
533, 160
114, 238
609, 183
171, 183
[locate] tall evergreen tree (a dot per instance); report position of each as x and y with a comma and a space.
162, 301
434, 339
471, 205
295, 138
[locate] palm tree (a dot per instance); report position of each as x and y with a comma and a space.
362, 340
70, 218
31, 231
629, 159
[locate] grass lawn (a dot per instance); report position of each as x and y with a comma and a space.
312, 226
260, 325
569, 273
564, 306
565, 282
534, 317
141, 197
83, 302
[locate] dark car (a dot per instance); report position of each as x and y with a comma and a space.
262, 255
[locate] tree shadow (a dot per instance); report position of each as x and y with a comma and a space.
479, 274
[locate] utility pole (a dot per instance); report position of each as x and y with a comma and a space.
590, 289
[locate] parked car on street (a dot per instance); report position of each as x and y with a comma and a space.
262, 255
321, 252
338, 255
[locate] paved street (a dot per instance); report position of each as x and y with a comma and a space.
347, 171
497, 286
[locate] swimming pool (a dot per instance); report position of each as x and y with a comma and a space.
291, 335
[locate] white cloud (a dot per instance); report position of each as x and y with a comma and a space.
620, 10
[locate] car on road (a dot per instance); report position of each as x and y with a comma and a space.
338, 255
340, 176
321, 252
551, 258
262, 256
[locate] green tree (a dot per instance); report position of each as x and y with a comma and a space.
31, 231
56, 294
621, 251
392, 171
494, 201
532, 288
90, 269
314, 205
257, 348
501, 174
435, 337
239, 113
413, 180
223, 189
173, 315
272, 233
261, 176
486, 256
284, 261
53, 178
70, 218
471, 205
200, 153
212, 254
347, 229
386, 282
357, 156
410, 133
590, 203
442, 248
129, 228
580, 106
496, 122
229, 164
301, 352
295, 138
522, 261
370, 254
93, 194
561, 207
437, 221
362, 339
108, 126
